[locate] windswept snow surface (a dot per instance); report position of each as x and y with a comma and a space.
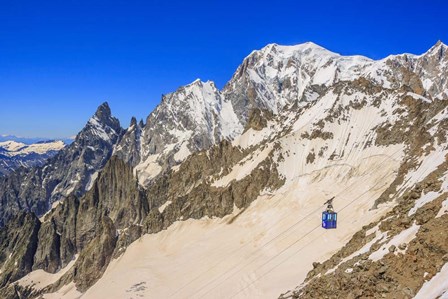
257, 254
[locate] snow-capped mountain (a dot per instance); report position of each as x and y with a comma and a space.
224, 189
16, 154
272, 79
192, 118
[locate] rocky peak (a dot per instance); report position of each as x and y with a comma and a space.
432, 68
133, 122
102, 125
103, 111
438, 49
128, 149
71, 171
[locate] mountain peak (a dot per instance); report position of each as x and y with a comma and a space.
303, 47
439, 43
103, 111
439, 48
103, 124
197, 82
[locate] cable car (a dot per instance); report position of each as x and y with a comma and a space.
329, 216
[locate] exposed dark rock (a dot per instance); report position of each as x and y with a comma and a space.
258, 119
47, 256
18, 244
95, 257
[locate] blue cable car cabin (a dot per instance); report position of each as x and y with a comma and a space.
329, 216
329, 219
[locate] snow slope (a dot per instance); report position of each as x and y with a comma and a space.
257, 254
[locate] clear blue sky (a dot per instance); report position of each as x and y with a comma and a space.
60, 59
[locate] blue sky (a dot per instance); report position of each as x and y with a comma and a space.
60, 59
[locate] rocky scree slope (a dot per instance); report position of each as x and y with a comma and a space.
288, 113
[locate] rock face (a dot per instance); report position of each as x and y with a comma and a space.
288, 112
70, 171
128, 149
18, 242
16, 154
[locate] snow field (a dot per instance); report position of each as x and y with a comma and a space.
258, 255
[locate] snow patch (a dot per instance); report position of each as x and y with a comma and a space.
182, 153
68, 291
39, 279
379, 236
404, 236
444, 209
427, 165
437, 286
92, 179
418, 97
98, 129
147, 170
244, 167
53, 206
424, 199
163, 207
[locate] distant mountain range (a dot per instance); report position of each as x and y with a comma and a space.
31, 140
14, 154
